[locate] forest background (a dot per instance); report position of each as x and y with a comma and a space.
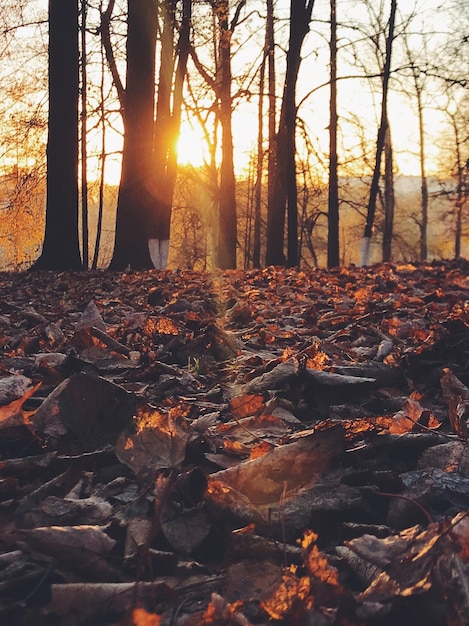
232, 133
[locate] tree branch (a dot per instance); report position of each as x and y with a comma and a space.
106, 41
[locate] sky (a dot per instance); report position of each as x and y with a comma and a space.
354, 95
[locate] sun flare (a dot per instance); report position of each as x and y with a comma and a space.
192, 148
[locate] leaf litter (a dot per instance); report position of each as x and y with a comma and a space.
243, 447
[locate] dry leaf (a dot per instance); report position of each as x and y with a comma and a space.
155, 441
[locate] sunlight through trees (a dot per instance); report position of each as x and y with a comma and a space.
253, 124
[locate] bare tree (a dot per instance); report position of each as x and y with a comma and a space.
456, 151
333, 249
419, 78
227, 223
84, 136
366, 241
284, 196
221, 84
388, 225
172, 72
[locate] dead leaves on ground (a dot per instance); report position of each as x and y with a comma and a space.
257, 447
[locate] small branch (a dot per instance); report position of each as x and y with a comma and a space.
106, 41
109, 341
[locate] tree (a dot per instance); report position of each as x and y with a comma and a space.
221, 84
61, 243
256, 248
388, 225
333, 251
102, 156
284, 196
167, 124
418, 78
84, 137
136, 191
149, 161
456, 150
368, 231
227, 223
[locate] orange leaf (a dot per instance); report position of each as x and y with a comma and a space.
292, 589
261, 449
247, 404
140, 617
160, 326
316, 561
12, 414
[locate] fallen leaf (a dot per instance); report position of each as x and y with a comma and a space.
154, 441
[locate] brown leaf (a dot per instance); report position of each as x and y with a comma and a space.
94, 409
457, 396
185, 529
247, 404
156, 440
91, 317
283, 469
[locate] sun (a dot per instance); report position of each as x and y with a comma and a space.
192, 148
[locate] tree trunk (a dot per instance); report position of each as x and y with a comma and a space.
83, 140
61, 249
284, 185
227, 220
256, 251
460, 197
136, 200
333, 249
371, 209
423, 181
419, 87
272, 115
102, 158
167, 126
388, 196
160, 219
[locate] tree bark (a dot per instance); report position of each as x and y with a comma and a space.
371, 209
284, 185
136, 200
61, 249
227, 218
460, 186
168, 122
388, 227
83, 140
256, 250
333, 248
272, 115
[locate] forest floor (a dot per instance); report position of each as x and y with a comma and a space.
262, 447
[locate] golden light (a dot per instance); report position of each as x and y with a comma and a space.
192, 148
